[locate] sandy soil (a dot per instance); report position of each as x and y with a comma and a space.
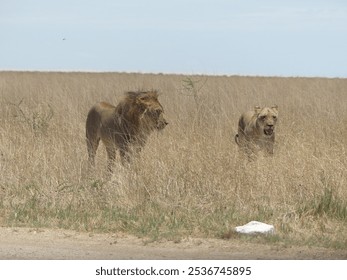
26, 243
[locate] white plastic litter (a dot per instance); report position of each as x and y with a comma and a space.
255, 227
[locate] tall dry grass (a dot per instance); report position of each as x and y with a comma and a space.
189, 179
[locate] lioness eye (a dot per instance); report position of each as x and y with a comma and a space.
274, 117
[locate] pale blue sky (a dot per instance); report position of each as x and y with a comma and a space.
232, 37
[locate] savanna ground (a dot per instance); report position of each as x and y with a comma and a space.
190, 181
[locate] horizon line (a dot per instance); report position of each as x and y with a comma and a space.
173, 73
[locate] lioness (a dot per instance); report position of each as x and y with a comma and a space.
256, 129
127, 124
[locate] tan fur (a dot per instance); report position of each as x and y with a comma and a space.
124, 127
256, 129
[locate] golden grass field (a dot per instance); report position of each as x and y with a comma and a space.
189, 180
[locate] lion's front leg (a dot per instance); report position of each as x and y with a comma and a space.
268, 145
125, 154
128, 153
269, 148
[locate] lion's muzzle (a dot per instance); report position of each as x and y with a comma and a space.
268, 130
161, 125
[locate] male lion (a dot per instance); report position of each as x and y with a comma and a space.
125, 126
256, 130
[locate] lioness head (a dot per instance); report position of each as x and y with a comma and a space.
152, 111
266, 119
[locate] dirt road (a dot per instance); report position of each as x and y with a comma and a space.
26, 243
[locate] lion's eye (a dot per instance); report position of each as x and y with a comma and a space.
274, 117
156, 113
262, 117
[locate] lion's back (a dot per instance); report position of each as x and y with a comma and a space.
105, 110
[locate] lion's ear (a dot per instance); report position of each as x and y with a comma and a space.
274, 107
257, 109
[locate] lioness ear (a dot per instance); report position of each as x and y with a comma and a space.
257, 109
275, 107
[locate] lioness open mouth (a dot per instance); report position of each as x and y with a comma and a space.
268, 131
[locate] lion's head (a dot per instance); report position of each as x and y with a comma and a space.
266, 119
128, 124
151, 111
